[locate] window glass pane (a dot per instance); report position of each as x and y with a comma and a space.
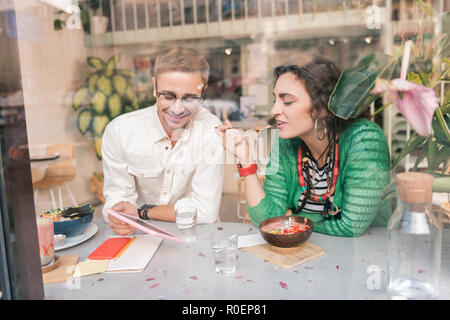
129, 17
164, 14
252, 8
176, 12
213, 10
66, 69
141, 18
201, 11
153, 15
188, 12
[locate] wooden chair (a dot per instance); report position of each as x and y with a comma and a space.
58, 174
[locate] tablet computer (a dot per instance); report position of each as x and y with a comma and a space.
145, 226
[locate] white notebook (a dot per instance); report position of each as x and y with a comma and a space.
137, 255
249, 240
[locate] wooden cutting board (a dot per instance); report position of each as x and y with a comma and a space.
64, 270
287, 258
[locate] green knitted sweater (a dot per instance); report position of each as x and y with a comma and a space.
363, 173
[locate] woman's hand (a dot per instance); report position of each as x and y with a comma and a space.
234, 141
120, 227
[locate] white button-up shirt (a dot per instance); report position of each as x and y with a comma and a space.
141, 167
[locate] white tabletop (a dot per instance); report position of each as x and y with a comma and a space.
348, 270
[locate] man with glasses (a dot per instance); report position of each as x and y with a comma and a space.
167, 156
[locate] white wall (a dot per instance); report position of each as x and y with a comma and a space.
53, 64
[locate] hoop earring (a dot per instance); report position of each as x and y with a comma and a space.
324, 128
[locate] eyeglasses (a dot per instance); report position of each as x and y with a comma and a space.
189, 102
168, 100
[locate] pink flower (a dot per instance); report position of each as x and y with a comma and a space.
417, 103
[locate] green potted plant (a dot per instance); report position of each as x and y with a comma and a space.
412, 88
105, 94
90, 21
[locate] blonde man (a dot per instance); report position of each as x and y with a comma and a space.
165, 156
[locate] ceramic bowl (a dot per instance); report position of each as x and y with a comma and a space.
286, 240
73, 227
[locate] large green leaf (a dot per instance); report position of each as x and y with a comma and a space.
352, 96
390, 191
413, 142
438, 129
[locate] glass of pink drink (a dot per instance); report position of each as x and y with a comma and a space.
45, 236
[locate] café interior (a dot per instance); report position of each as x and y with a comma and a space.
50, 51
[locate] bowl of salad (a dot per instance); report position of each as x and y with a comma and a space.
286, 231
71, 221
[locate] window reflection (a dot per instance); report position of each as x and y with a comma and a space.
243, 40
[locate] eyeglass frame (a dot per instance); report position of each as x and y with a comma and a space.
200, 99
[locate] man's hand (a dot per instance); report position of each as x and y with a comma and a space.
118, 226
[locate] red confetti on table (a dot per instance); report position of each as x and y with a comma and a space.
154, 285
238, 277
201, 254
283, 285
337, 267
187, 290
194, 278
149, 279
219, 228
420, 271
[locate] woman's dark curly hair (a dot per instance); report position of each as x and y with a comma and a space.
319, 78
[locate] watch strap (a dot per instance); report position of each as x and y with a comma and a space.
251, 169
143, 211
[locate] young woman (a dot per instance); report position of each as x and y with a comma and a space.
321, 167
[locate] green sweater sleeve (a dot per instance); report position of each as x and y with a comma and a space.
364, 174
275, 187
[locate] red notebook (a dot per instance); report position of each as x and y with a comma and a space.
109, 249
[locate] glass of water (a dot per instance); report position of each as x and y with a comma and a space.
225, 251
186, 220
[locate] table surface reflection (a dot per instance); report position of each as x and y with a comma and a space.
352, 268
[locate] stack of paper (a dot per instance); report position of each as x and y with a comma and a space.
137, 255
135, 258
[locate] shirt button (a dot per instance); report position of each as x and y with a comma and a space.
167, 148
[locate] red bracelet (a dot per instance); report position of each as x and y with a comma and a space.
251, 169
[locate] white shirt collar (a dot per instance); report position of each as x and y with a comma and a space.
160, 134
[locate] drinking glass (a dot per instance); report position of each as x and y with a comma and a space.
186, 221
45, 236
225, 251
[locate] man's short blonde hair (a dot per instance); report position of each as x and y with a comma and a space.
183, 60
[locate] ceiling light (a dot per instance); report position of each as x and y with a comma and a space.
368, 39
331, 41
228, 51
